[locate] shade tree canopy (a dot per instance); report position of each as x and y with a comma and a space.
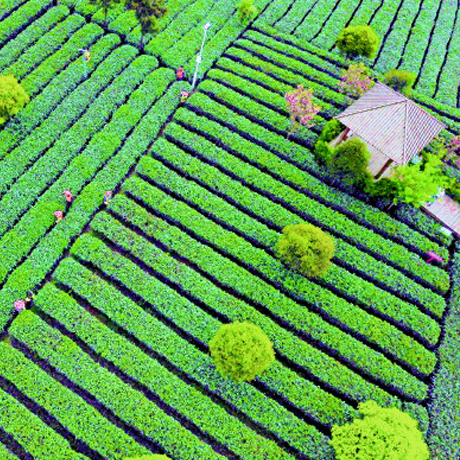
13, 97
400, 80
247, 11
358, 40
382, 434
306, 249
349, 162
241, 351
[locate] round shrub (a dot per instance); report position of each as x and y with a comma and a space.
323, 152
13, 98
241, 351
246, 11
400, 80
350, 161
306, 248
358, 41
331, 130
383, 434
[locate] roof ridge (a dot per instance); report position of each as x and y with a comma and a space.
369, 108
405, 135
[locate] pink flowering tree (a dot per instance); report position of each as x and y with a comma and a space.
302, 107
356, 80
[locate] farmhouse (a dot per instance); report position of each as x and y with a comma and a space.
394, 128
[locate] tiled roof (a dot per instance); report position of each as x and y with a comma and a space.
391, 123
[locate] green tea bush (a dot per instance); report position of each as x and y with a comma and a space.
306, 248
358, 41
383, 434
13, 98
241, 351
148, 457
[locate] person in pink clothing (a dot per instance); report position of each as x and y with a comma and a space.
59, 215
68, 196
19, 305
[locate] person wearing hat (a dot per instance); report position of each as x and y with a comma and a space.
68, 196
59, 215
29, 299
107, 197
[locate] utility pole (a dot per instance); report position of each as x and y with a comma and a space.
198, 58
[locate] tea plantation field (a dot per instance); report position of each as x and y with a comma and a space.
112, 360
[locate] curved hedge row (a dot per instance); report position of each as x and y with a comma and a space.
37, 438
131, 406
293, 317
189, 355
236, 152
118, 161
153, 378
28, 37
60, 402
40, 107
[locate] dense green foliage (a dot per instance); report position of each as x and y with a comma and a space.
417, 184
148, 12
247, 11
349, 162
106, 5
358, 41
241, 351
383, 434
323, 152
400, 80
331, 130
306, 248
13, 98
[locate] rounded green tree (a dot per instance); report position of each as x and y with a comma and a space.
358, 41
383, 434
306, 248
400, 80
349, 162
241, 351
247, 11
13, 98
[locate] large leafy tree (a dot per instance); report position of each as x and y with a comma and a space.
383, 434
13, 97
105, 5
247, 11
241, 351
358, 41
400, 80
148, 12
417, 184
306, 249
349, 162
